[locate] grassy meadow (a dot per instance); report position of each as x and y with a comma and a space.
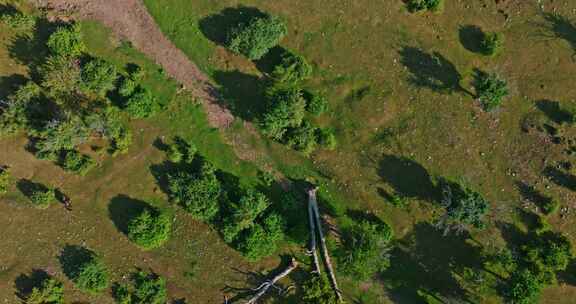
399, 86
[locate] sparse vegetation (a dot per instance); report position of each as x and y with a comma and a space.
424, 5
5, 180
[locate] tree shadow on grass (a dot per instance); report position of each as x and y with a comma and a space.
471, 38
28, 187
431, 70
122, 209
425, 259
216, 27
244, 93
273, 58
560, 27
561, 178
553, 111
31, 49
9, 84
408, 178
529, 193
72, 258
24, 283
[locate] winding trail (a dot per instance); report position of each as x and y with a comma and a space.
130, 20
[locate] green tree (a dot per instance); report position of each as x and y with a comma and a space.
244, 213
286, 109
464, 207
491, 90
492, 43
67, 41
317, 290
92, 276
99, 76
49, 291
143, 104
150, 229
61, 77
524, 287
197, 192
316, 104
145, 288
41, 196
255, 38
366, 249
261, 240
76, 162
292, 69
19, 21
303, 138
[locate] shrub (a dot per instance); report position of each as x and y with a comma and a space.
255, 38
550, 206
244, 214
142, 104
116, 130
60, 136
49, 291
492, 43
146, 288
285, 110
41, 196
316, 104
491, 90
19, 21
366, 247
326, 138
181, 151
420, 5
5, 180
261, 240
198, 193
317, 290
92, 276
398, 201
150, 229
292, 70
463, 207
77, 162
303, 138
67, 41
99, 76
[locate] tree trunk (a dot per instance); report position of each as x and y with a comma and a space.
262, 289
313, 202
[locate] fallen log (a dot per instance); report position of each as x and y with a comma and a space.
313, 236
327, 262
263, 288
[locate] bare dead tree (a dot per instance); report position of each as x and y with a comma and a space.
330, 269
264, 287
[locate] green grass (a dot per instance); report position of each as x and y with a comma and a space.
377, 111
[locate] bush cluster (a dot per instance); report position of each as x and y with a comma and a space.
292, 70
144, 287
19, 21
317, 290
67, 41
99, 76
48, 291
255, 38
150, 229
181, 151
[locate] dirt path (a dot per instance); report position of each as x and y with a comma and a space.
130, 20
